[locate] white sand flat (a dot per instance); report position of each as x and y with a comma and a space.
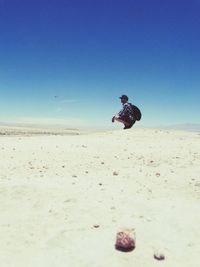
61, 205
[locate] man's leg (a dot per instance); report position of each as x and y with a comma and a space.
129, 126
117, 118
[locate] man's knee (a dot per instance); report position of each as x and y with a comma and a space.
117, 118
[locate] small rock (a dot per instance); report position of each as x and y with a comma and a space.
157, 174
115, 173
67, 200
96, 226
159, 256
45, 167
125, 240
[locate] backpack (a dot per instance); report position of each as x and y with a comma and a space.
136, 112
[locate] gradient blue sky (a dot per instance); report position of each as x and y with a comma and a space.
68, 61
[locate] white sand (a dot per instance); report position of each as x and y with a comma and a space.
54, 189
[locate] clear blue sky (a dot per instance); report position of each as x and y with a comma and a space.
68, 61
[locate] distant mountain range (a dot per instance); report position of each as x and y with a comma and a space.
195, 127
186, 127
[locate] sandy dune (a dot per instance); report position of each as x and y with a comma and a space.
63, 198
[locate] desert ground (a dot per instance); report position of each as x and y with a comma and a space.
64, 195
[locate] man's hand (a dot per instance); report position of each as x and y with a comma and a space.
113, 118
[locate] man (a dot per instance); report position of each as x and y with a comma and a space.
125, 116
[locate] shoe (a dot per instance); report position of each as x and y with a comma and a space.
129, 126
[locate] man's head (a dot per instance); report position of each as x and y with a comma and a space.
124, 98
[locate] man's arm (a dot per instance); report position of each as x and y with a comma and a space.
124, 111
117, 115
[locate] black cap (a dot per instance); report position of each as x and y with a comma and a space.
124, 97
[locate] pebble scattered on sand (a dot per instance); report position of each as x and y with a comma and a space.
115, 173
125, 240
159, 256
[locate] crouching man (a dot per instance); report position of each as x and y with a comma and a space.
125, 116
